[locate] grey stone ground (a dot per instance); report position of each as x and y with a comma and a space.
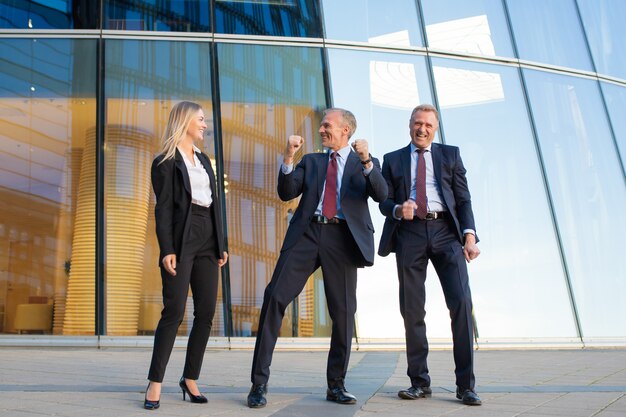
111, 382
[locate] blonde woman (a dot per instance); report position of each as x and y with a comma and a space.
191, 242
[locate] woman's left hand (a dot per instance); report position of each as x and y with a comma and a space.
222, 261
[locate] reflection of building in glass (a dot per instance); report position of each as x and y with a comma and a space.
534, 95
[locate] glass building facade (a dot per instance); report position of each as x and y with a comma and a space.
533, 92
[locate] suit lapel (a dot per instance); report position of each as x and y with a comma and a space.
348, 169
322, 166
207, 167
437, 161
405, 160
180, 164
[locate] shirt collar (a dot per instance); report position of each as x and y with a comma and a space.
414, 148
195, 150
343, 152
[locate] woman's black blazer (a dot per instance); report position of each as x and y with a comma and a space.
170, 181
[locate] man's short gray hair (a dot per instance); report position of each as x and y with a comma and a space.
347, 117
425, 107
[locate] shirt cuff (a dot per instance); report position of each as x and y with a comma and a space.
393, 213
286, 168
470, 231
367, 171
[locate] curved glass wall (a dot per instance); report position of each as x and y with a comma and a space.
604, 26
296, 18
82, 112
373, 22
169, 16
549, 32
67, 14
483, 112
579, 156
47, 186
473, 27
266, 94
139, 96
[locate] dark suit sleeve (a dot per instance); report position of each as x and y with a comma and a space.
162, 183
461, 194
376, 184
290, 185
386, 207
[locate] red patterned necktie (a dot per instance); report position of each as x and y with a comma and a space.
420, 185
329, 205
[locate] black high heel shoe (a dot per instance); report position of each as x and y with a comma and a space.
149, 404
193, 398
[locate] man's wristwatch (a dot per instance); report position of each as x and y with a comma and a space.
368, 160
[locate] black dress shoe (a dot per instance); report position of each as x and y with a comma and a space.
256, 397
200, 399
468, 396
339, 395
149, 404
414, 393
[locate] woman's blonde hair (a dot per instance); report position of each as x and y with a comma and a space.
177, 125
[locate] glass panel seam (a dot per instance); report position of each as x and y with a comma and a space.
553, 218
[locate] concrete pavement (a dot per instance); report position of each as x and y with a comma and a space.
111, 382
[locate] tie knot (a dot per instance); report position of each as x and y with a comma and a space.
420, 150
333, 155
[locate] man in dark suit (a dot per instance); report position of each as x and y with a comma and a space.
331, 228
429, 216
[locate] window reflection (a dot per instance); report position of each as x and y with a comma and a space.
171, 15
33, 14
477, 27
615, 97
260, 109
483, 111
297, 18
549, 32
47, 182
140, 92
604, 26
373, 22
381, 89
586, 186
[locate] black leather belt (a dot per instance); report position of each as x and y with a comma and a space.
197, 208
324, 220
433, 215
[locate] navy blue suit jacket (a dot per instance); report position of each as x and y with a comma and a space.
450, 175
307, 179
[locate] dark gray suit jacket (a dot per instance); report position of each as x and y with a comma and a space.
172, 212
308, 178
450, 175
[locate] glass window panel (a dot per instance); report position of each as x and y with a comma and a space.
588, 193
381, 89
487, 101
549, 32
259, 111
373, 21
296, 18
41, 14
615, 97
159, 15
604, 25
144, 79
476, 27
47, 186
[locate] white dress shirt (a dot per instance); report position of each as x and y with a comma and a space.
342, 157
201, 193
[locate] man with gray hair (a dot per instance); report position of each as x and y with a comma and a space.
331, 229
429, 217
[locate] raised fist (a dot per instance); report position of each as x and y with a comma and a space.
361, 148
294, 143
